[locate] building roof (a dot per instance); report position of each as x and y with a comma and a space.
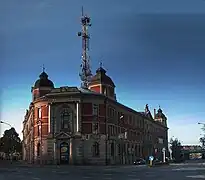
43, 81
101, 78
160, 114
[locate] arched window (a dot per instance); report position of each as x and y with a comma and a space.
38, 149
96, 149
65, 119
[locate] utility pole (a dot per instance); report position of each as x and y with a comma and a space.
85, 73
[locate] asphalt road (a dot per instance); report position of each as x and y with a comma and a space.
172, 172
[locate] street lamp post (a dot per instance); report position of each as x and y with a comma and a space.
122, 137
2, 122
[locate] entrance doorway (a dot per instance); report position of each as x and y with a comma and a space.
64, 153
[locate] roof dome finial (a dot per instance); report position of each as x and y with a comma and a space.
101, 64
101, 69
160, 110
43, 68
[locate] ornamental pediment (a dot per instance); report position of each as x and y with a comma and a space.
63, 135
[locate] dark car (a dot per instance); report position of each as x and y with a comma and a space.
139, 161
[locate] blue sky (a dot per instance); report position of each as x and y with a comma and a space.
153, 50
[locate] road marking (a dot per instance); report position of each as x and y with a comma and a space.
197, 176
107, 178
63, 172
188, 169
108, 174
36, 178
87, 177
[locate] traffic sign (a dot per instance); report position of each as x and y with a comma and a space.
151, 158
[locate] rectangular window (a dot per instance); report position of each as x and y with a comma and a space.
39, 129
95, 128
39, 113
95, 109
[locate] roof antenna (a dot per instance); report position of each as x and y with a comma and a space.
82, 11
85, 73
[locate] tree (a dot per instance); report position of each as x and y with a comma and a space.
202, 139
176, 148
10, 142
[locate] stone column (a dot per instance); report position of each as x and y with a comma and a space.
71, 151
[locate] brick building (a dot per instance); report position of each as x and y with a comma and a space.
88, 126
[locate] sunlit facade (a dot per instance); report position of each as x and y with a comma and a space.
88, 126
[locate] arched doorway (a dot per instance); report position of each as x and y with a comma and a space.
64, 153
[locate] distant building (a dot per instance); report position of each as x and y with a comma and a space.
88, 126
193, 152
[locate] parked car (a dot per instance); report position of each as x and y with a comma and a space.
139, 161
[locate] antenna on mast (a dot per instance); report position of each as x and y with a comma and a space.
85, 73
82, 11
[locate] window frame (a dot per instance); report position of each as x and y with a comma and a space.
66, 113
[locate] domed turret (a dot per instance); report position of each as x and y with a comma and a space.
102, 83
161, 117
42, 86
43, 81
101, 78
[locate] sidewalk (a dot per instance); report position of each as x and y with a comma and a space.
7, 164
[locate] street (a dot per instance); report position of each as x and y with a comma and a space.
176, 172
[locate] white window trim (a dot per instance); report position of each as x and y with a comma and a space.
39, 112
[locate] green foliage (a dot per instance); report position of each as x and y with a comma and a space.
176, 148
175, 142
10, 142
202, 139
203, 128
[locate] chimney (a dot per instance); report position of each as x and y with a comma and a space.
154, 113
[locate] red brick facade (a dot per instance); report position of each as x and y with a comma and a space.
96, 88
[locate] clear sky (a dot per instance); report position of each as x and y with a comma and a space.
153, 50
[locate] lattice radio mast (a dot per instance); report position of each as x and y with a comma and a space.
85, 73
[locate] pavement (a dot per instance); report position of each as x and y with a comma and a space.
186, 171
